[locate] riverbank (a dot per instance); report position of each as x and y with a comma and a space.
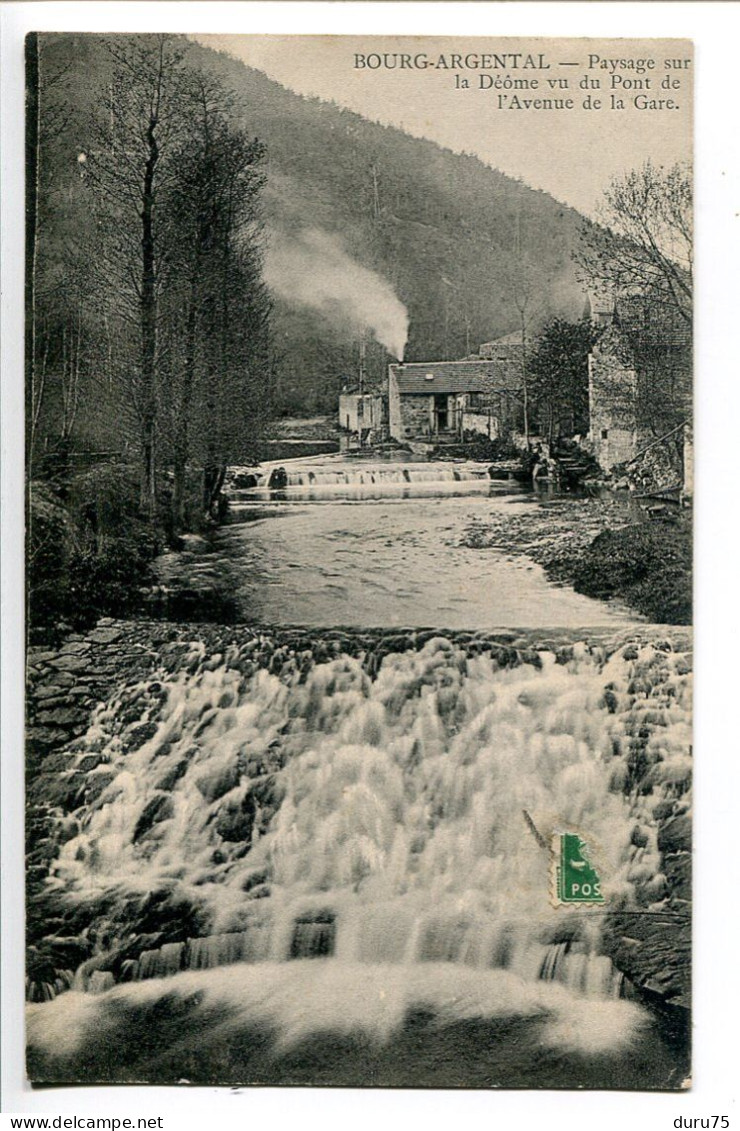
605, 547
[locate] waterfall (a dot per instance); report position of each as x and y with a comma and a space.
262, 808
344, 476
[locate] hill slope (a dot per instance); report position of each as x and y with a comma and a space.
457, 241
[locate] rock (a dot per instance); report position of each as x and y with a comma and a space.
82, 693
216, 783
59, 679
639, 837
59, 789
675, 834
94, 785
63, 717
677, 871
235, 822
137, 736
610, 701
40, 657
49, 692
159, 808
244, 480
70, 663
89, 762
104, 635
170, 779
74, 647
67, 829
46, 736
60, 761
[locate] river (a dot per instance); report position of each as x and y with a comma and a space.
371, 543
322, 854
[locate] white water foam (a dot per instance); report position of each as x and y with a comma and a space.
301, 999
383, 834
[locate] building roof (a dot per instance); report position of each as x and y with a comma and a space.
513, 339
429, 377
507, 348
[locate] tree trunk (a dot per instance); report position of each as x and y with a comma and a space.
182, 423
148, 309
213, 480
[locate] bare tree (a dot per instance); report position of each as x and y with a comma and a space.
524, 291
641, 257
47, 119
129, 166
644, 243
216, 266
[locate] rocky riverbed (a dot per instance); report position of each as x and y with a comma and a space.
606, 547
555, 531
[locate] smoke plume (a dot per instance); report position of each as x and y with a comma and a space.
310, 268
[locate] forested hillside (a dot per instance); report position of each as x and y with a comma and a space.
463, 245
468, 251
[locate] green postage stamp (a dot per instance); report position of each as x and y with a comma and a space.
575, 879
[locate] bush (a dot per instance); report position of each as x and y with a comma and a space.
88, 555
647, 565
52, 542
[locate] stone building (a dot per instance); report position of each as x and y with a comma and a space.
612, 400
444, 400
637, 417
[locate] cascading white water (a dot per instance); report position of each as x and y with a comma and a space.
394, 473
338, 476
317, 813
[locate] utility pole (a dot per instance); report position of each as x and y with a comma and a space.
363, 372
376, 192
362, 376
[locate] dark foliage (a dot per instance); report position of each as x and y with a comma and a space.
89, 554
648, 566
558, 368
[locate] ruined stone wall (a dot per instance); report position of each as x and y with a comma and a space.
659, 467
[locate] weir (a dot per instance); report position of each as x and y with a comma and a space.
345, 475
264, 806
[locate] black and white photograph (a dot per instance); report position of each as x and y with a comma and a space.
359, 491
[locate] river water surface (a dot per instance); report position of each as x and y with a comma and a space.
297, 855
381, 544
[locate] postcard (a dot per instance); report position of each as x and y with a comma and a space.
360, 477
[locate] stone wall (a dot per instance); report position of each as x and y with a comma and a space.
659, 467
611, 392
416, 416
483, 423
